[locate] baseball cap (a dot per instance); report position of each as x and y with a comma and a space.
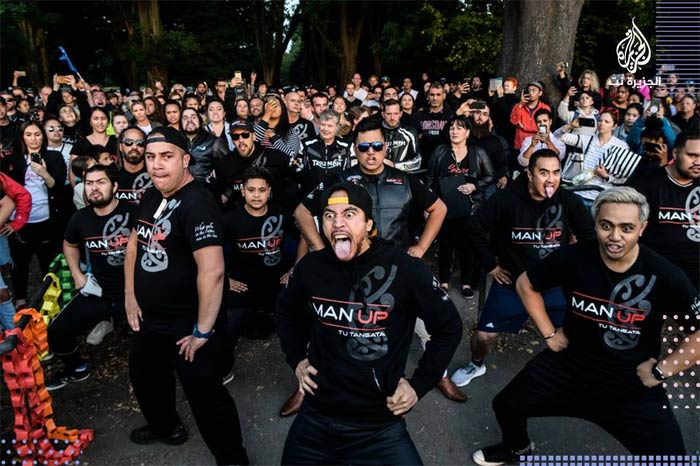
537, 84
356, 195
241, 124
171, 135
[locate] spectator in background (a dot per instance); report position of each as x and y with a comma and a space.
408, 104
274, 129
687, 117
633, 112
154, 110
173, 112
119, 122
523, 113
587, 81
431, 123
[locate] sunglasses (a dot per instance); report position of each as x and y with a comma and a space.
131, 142
9, 99
51, 129
237, 136
365, 146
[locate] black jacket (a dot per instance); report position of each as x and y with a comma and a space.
15, 166
354, 321
205, 147
320, 161
520, 231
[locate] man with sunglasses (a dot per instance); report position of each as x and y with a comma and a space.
11, 103
133, 178
54, 137
227, 182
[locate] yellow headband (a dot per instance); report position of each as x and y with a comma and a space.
338, 200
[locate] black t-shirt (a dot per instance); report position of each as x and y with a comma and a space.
303, 128
84, 147
674, 227
257, 258
613, 320
432, 130
165, 275
104, 238
131, 186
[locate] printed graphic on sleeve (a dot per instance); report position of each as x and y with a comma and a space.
362, 321
622, 315
150, 235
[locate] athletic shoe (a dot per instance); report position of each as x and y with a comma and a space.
468, 293
144, 435
499, 454
463, 376
229, 377
98, 333
78, 375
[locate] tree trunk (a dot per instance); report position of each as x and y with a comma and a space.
350, 33
537, 34
26, 26
151, 29
271, 38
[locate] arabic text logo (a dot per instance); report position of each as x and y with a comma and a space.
633, 51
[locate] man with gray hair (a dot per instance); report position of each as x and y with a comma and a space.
602, 364
324, 155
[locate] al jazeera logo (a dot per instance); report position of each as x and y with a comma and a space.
633, 51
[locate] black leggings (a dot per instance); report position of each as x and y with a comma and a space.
453, 236
555, 384
33, 238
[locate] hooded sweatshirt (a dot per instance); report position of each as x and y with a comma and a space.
521, 231
354, 321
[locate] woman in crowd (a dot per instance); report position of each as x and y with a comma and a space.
242, 109
273, 128
98, 141
633, 112
138, 110
154, 110
217, 125
458, 172
594, 148
42, 172
340, 107
119, 122
173, 112
585, 107
69, 119
408, 105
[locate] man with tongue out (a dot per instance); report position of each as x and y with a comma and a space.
345, 322
521, 225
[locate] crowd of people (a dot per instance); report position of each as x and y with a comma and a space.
202, 215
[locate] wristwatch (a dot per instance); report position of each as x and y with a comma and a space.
197, 334
658, 373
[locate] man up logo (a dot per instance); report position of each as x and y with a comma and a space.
633, 51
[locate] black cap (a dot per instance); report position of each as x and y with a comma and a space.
241, 124
171, 135
357, 196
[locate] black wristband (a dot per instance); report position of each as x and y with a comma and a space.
658, 373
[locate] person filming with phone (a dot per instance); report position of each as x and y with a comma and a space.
523, 114
542, 139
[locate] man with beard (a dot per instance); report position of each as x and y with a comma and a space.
257, 107
402, 145
100, 230
203, 146
602, 365
345, 323
494, 145
174, 283
431, 122
673, 193
8, 129
227, 182
299, 126
132, 179
520, 225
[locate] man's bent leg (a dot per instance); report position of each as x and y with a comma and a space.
378, 446
212, 406
310, 441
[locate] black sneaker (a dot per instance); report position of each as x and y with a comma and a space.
144, 435
498, 454
468, 293
79, 374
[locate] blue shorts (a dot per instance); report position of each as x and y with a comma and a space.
504, 311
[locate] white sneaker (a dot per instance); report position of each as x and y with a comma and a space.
463, 376
98, 333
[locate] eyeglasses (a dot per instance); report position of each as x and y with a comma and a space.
365, 146
131, 142
237, 136
9, 99
179, 90
51, 129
